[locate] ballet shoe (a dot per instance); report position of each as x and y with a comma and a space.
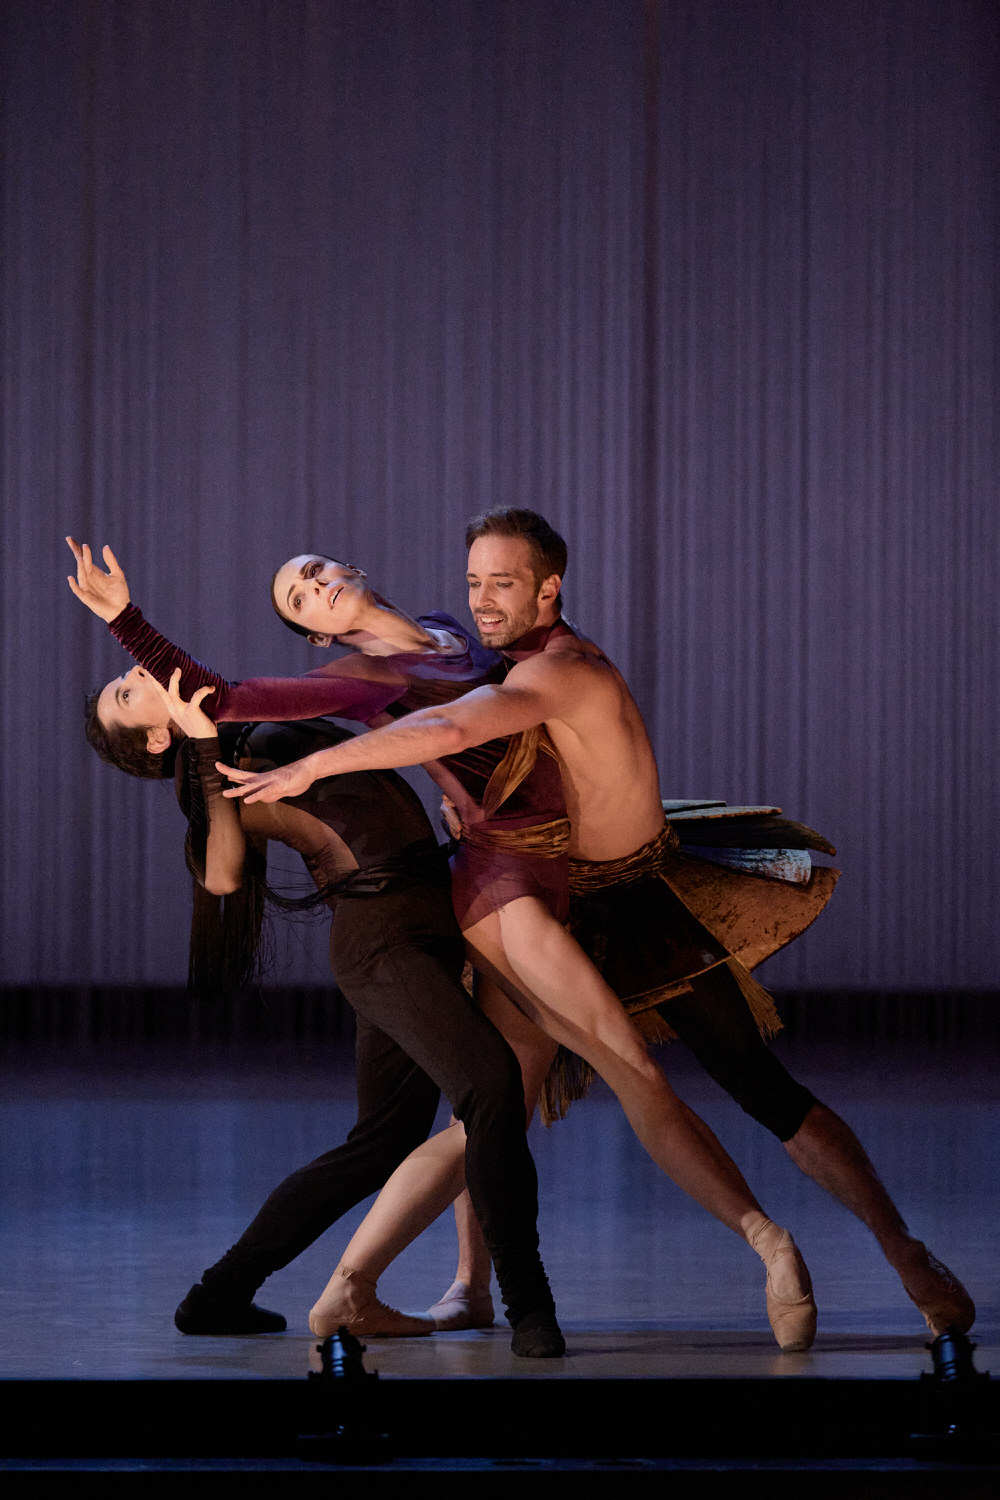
538, 1336
369, 1318
460, 1307
793, 1321
941, 1298
201, 1312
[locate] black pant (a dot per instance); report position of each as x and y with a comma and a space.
398, 959
715, 1022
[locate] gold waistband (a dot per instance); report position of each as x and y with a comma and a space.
541, 840
586, 875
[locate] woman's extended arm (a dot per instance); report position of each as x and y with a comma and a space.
486, 713
351, 688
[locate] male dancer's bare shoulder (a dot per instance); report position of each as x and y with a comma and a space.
609, 773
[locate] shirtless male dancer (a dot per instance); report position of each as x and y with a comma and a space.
557, 679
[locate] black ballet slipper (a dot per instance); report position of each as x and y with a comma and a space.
538, 1336
200, 1312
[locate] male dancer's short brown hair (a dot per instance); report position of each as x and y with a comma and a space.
548, 550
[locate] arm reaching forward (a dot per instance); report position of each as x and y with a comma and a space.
534, 691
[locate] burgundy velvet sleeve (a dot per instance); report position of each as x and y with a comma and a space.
160, 657
309, 697
326, 691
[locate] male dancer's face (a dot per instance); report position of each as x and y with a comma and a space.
505, 597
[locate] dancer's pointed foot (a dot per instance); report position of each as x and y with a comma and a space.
791, 1310
463, 1306
538, 1336
202, 1312
937, 1292
351, 1301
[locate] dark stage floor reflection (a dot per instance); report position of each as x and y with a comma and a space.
125, 1175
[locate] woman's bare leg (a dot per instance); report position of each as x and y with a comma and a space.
419, 1190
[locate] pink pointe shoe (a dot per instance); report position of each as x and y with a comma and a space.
793, 1322
362, 1314
939, 1294
461, 1307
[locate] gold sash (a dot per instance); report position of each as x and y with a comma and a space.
542, 840
586, 876
517, 763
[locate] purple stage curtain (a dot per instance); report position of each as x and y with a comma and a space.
709, 282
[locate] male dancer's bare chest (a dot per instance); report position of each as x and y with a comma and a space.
608, 770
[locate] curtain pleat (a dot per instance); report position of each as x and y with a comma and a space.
711, 283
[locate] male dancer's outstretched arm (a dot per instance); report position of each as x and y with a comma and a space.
429, 734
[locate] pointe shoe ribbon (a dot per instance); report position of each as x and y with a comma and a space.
792, 1320
361, 1312
461, 1307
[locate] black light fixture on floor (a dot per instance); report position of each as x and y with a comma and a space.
344, 1406
956, 1408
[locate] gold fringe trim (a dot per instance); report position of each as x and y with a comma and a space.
570, 1077
760, 1000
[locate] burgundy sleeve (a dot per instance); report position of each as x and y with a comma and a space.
160, 658
309, 697
324, 691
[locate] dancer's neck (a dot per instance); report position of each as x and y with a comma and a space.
388, 631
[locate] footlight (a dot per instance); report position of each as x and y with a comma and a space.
958, 1420
344, 1405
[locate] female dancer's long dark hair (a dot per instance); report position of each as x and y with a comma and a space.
228, 947
225, 949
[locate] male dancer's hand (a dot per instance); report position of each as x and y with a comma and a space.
189, 716
270, 786
105, 594
450, 820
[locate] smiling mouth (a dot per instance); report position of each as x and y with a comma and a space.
337, 595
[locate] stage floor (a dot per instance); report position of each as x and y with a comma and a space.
124, 1175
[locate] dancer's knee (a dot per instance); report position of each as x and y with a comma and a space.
492, 1102
781, 1110
716, 1025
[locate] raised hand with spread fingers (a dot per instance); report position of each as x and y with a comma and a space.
104, 594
